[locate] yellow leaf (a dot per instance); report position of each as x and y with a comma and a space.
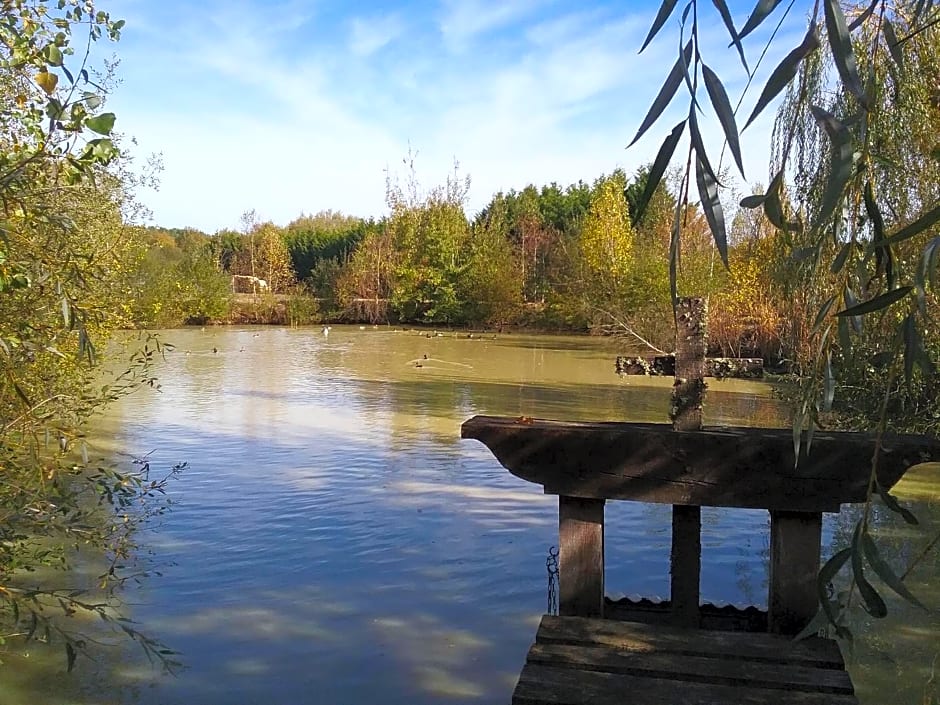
47, 81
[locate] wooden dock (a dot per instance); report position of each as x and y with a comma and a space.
660, 654
579, 661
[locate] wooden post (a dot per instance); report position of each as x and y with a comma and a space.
688, 396
581, 557
795, 538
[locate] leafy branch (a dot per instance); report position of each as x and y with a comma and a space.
851, 252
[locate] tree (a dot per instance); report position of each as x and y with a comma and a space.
328, 235
272, 260
178, 281
429, 232
65, 260
854, 141
492, 284
365, 283
607, 239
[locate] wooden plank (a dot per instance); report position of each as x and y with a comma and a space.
580, 557
688, 397
729, 467
693, 669
647, 638
795, 538
544, 685
685, 565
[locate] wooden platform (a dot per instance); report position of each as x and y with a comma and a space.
580, 661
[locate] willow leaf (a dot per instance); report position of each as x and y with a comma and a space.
664, 11
885, 572
851, 301
773, 209
841, 258
722, 8
801, 254
798, 420
840, 42
819, 622
891, 503
927, 269
928, 219
877, 303
754, 201
915, 349
894, 47
845, 339
824, 312
874, 605
698, 144
660, 164
722, 106
884, 256
866, 13
686, 76
708, 193
841, 162
785, 72
829, 388
758, 15
667, 91
826, 575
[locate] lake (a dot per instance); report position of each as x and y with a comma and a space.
334, 541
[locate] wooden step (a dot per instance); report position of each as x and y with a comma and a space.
577, 661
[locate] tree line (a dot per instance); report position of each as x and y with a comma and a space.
569, 258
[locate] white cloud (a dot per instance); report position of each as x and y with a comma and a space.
462, 20
306, 115
368, 35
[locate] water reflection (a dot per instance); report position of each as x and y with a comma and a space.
335, 541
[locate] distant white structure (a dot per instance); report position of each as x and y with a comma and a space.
254, 284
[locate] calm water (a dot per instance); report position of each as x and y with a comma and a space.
336, 542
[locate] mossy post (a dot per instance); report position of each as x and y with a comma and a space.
688, 397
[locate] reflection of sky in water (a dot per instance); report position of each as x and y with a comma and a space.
335, 541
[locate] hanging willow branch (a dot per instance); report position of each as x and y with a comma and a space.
855, 201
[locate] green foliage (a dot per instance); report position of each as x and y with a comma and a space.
429, 233
855, 202
178, 281
272, 259
325, 236
66, 261
492, 285
607, 238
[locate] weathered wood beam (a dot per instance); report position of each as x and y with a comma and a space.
795, 539
580, 557
727, 467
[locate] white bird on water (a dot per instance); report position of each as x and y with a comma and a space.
326, 330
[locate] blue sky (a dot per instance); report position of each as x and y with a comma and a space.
300, 106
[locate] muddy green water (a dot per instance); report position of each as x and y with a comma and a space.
335, 542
